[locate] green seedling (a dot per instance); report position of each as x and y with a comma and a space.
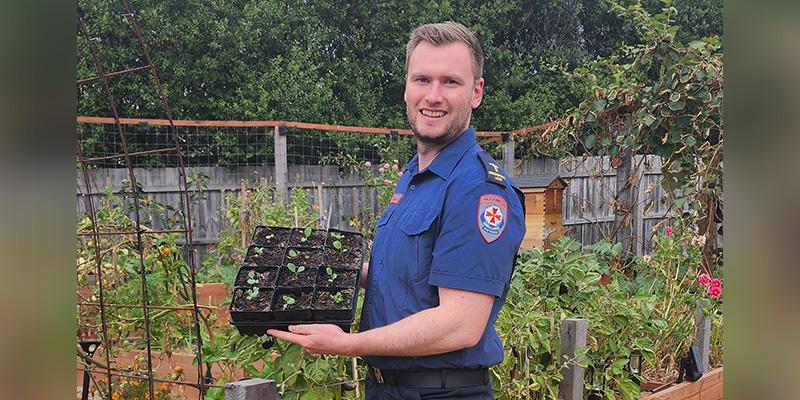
258, 250
331, 274
251, 277
288, 300
337, 236
292, 253
252, 292
338, 297
295, 268
307, 233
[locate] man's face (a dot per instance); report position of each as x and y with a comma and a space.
441, 92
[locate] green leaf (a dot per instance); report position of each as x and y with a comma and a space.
628, 389
590, 141
599, 104
590, 117
317, 371
676, 105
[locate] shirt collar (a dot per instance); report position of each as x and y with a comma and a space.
446, 160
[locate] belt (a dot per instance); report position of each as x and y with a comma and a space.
431, 378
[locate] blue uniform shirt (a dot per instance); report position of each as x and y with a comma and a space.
456, 224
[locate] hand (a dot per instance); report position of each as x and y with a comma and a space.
316, 338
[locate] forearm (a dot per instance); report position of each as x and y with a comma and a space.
457, 323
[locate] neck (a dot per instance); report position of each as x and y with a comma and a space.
426, 154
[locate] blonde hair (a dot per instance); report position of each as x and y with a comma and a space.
446, 33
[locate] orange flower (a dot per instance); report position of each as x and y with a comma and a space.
135, 383
163, 387
115, 396
92, 389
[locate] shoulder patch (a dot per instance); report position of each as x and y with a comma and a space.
493, 173
492, 211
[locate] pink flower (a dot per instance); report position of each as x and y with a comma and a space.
255, 172
395, 185
367, 164
386, 181
387, 166
716, 283
261, 197
395, 161
714, 291
399, 174
381, 170
704, 279
394, 167
669, 231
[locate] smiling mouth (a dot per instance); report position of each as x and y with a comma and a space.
435, 114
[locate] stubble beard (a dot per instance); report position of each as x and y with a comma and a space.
438, 142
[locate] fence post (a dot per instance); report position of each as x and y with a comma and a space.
252, 389
508, 158
573, 336
702, 335
281, 163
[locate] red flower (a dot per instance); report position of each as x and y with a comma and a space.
714, 291
704, 279
669, 231
715, 283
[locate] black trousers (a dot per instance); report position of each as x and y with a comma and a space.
377, 391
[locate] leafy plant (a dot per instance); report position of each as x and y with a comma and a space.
337, 297
331, 275
252, 292
288, 301
251, 278
295, 268
306, 234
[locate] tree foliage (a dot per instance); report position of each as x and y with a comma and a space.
660, 97
334, 62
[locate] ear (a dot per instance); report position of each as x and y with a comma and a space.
477, 94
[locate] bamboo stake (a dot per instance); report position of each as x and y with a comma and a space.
355, 208
321, 203
355, 376
242, 224
117, 274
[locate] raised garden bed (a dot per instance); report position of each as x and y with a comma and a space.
709, 387
296, 276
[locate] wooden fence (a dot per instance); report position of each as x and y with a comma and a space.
588, 206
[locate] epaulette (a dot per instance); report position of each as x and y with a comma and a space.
493, 173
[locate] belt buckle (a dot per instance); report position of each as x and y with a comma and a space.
378, 375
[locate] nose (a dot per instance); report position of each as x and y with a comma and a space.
434, 94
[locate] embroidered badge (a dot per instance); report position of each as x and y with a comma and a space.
492, 211
396, 198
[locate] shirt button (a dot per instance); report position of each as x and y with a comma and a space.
413, 187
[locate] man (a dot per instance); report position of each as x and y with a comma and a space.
444, 250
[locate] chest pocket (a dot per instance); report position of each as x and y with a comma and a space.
415, 244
